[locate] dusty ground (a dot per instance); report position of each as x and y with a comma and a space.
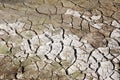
59, 39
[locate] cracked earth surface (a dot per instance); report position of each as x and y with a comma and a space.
59, 39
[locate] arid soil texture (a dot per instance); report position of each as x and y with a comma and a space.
59, 39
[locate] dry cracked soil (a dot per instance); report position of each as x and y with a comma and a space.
59, 39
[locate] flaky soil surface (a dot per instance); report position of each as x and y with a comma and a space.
59, 39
